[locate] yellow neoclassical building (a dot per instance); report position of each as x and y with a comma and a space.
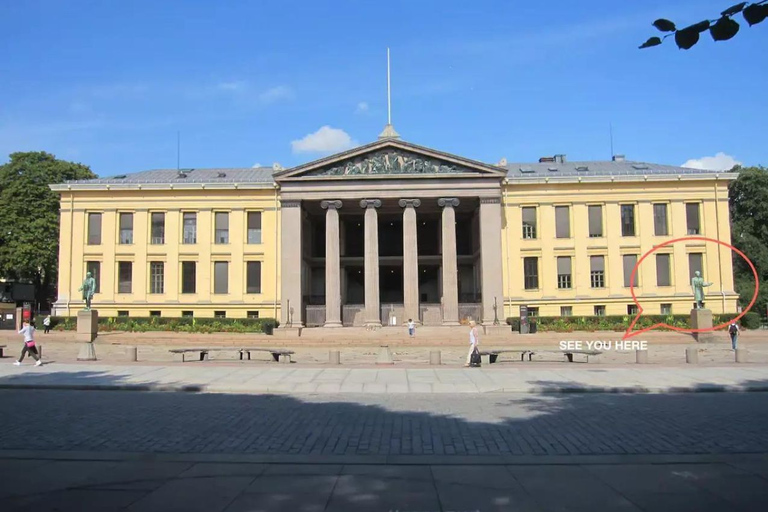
393, 230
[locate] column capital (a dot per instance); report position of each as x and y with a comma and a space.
290, 203
405, 203
330, 205
490, 200
448, 201
370, 203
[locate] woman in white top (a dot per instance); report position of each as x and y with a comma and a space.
474, 340
29, 344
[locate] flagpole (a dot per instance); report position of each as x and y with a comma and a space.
389, 97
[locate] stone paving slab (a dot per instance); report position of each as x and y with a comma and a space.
703, 486
240, 379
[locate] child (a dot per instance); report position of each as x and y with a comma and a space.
47, 324
411, 328
29, 344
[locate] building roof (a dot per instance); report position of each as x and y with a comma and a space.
183, 176
595, 168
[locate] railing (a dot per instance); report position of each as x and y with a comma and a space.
353, 315
314, 316
470, 311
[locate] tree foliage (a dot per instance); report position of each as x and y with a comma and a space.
29, 216
748, 200
721, 29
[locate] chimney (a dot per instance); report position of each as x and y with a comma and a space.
560, 159
618, 158
546, 159
502, 162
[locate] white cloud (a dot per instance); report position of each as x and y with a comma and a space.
236, 85
362, 107
324, 140
275, 94
256, 165
719, 162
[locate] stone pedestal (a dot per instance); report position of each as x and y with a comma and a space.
132, 354
702, 319
87, 330
741, 355
87, 325
692, 355
334, 357
385, 356
435, 357
641, 356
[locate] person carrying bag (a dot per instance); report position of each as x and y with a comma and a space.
29, 344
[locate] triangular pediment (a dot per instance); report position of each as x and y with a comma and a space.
390, 159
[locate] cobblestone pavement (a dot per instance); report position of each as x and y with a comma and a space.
486, 425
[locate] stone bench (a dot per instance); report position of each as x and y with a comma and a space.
493, 355
567, 353
203, 352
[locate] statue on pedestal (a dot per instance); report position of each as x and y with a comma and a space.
698, 284
88, 289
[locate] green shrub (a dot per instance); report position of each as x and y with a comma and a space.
751, 320
174, 324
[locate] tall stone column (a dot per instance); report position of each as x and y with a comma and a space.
410, 259
490, 259
450, 265
332, 264
372, 310
291, 255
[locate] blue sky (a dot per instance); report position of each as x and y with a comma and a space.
110, 84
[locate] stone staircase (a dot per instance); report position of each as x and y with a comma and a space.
392, 335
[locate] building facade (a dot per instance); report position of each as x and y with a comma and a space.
390, 231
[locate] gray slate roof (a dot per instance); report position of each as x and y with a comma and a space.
514, 170
595, 168
242, 175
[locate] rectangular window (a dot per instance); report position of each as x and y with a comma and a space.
692, 218
254, 227
187, 314
188, 277
599, 310
595, 220
221, 277
630, 260
662, 270
219, 314
94, 267
597, 271
566, 310
253, 314
529, 222
632, 309
253, 284
627, 220
531, 273
695, 263
94, 229
122, 313
563, 272
562, 222
124, 277
222, 227
126, 228
190, 228
533, 312
158, 228
154, 313
666, 309
157, 277
660, 220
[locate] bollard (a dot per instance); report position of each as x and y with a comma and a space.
385, 356
741, 355
435, 357
692, 355
334, 357
133, 354
39, 350
641, 356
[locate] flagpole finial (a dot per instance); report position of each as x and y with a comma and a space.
389, 131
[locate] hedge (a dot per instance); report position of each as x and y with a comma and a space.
620, 322
183, 324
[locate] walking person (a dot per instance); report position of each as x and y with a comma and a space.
474, 341
411, 328
733, 330
29, 344
47, 324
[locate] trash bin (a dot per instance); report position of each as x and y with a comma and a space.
269, 329
533, 327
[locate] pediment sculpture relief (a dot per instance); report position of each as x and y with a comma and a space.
389, 161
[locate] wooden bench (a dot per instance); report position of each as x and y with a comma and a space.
276, 353
1, 350
493, 355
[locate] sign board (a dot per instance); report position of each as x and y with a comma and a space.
524, 325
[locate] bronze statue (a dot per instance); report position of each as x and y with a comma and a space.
88, 289
698, 284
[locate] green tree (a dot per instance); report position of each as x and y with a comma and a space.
748, 199
29, 217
